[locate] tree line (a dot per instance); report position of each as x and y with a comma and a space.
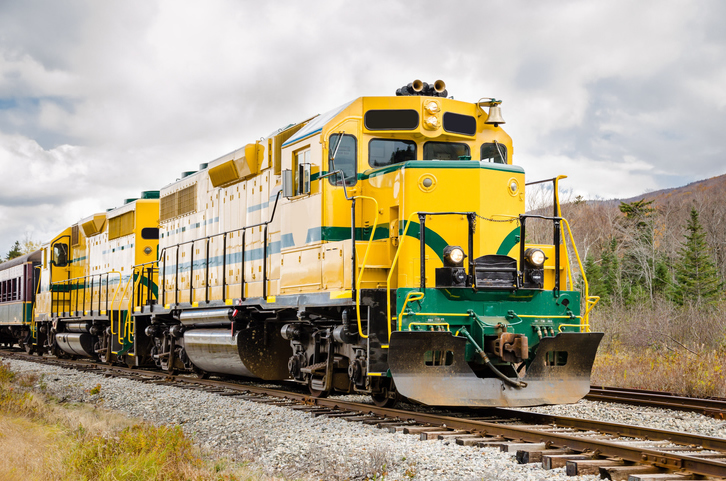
20, 249
669, 248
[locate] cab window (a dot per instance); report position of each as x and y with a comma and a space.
301, 172
343, 155
382, 152
445, 151
494, 152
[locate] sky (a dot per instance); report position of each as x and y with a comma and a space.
102, 100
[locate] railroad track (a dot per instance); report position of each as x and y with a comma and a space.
715, 407
614, 451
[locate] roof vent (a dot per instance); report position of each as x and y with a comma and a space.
150, 194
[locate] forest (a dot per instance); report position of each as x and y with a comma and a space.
658, 264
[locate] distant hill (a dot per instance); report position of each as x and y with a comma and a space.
712, 186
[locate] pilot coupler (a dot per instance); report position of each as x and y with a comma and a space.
488, 362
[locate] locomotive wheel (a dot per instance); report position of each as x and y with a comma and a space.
383, 401
317, 393
387, 397
29, 348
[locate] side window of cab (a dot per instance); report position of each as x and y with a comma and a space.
494, 152
301, 172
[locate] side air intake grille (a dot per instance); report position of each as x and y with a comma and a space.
121, 226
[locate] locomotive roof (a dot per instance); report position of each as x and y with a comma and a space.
316, 125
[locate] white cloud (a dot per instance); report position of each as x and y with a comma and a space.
100, 100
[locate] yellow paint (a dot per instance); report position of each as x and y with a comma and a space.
271, 299
341, 294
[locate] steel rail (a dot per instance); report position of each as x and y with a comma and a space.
712, 407
599, 446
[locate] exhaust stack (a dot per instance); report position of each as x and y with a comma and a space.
417, 87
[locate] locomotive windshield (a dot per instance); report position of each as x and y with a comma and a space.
445, 150
382, 152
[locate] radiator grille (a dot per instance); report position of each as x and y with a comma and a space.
74, 235
187, 200
167, 208
121, 225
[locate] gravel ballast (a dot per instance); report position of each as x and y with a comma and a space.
283, 441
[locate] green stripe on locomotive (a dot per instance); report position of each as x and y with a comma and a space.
480, 312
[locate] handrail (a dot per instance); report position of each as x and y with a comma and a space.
363, 266
390, 274
118, 334
558, 213
409, 297
149, 284
85, 287
586, 317
127, 323
33, 326
224, 257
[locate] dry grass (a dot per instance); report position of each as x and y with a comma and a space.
30, 450
698, 375
43, 440
662, 347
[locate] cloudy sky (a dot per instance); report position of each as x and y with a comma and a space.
101, 100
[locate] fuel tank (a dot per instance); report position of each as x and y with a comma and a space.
215, 350
256, 351
76, 343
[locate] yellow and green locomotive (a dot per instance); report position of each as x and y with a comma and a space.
378, 248
91, 275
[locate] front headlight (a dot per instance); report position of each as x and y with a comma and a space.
454, 256
535, 257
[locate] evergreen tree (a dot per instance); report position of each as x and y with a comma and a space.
639, 258
610, 269
594, 277
697, 278
14, 251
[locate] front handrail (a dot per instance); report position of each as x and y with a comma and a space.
590, 301
390, 274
